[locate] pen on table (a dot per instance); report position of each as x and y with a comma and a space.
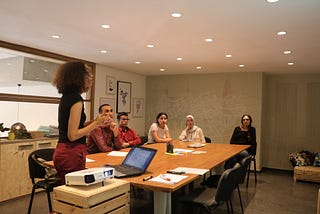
164, 177
176, 172
147, 178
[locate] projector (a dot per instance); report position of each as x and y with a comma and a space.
90, 176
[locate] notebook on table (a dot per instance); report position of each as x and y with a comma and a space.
135, 163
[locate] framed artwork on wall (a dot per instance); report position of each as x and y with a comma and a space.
137, 107
105, 100
123, 96
111, 85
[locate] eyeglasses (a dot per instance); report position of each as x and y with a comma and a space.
124, 119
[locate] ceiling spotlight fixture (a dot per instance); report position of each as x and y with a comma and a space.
208, 40
137, 62
45, 70
150, 46
105, 26
104, 51
228, 55
287, 52
272, 1
241, 66
55, 36
199, 67
176, 15
281, 33
290, 63
179, 58
162, 69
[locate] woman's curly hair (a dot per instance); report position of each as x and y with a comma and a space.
71, 77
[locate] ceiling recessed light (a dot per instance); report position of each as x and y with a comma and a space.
290, 63
137, 62
228, 55
272, 1
176, 15
179, 58
287, 52
241, 66
55, 36
281, 33
104, 51
150, 46
45, 70
162, 69
31, 60
208, 40
199, 67
105, 26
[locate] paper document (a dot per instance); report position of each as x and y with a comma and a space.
177, 150
191, 170
168, 178
88, 160
117, 153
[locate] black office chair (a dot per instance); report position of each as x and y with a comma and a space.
208, 199
42, 177
208, 140
245, 163
253, 151
144, 139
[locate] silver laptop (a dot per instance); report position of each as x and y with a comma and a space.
136, 162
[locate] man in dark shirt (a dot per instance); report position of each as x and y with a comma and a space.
128, 137
104, 138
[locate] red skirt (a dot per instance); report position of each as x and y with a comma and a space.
69, 157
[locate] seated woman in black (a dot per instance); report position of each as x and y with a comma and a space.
245, 135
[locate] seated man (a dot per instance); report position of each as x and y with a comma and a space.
104, 138
127, 136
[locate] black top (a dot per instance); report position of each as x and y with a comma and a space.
245, 138
66, 102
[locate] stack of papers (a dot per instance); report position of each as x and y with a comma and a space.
117, 153
191, 170
169, 178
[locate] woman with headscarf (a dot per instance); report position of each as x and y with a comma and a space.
192, 132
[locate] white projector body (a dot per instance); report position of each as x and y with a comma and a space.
89, 176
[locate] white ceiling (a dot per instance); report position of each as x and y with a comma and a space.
244, 28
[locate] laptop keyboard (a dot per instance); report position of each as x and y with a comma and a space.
125, 169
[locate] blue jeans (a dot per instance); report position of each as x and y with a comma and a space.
232, 161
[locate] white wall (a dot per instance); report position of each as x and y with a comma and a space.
217, 101
138, 89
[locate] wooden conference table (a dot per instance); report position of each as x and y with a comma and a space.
214, 155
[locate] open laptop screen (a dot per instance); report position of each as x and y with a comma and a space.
139, 157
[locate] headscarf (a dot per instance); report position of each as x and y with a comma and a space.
194, 126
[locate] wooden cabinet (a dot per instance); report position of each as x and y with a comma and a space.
14, 168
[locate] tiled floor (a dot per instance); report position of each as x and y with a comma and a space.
276, 192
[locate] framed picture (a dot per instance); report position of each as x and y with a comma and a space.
110, 101
137, 107
111, 85
123, 96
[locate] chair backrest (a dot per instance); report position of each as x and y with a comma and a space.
227, 183
144, 139
35, 169
245, 163
207, 139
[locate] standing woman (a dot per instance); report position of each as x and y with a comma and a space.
159, 132
72, 79
244, 134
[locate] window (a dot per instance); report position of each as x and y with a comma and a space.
27, 95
